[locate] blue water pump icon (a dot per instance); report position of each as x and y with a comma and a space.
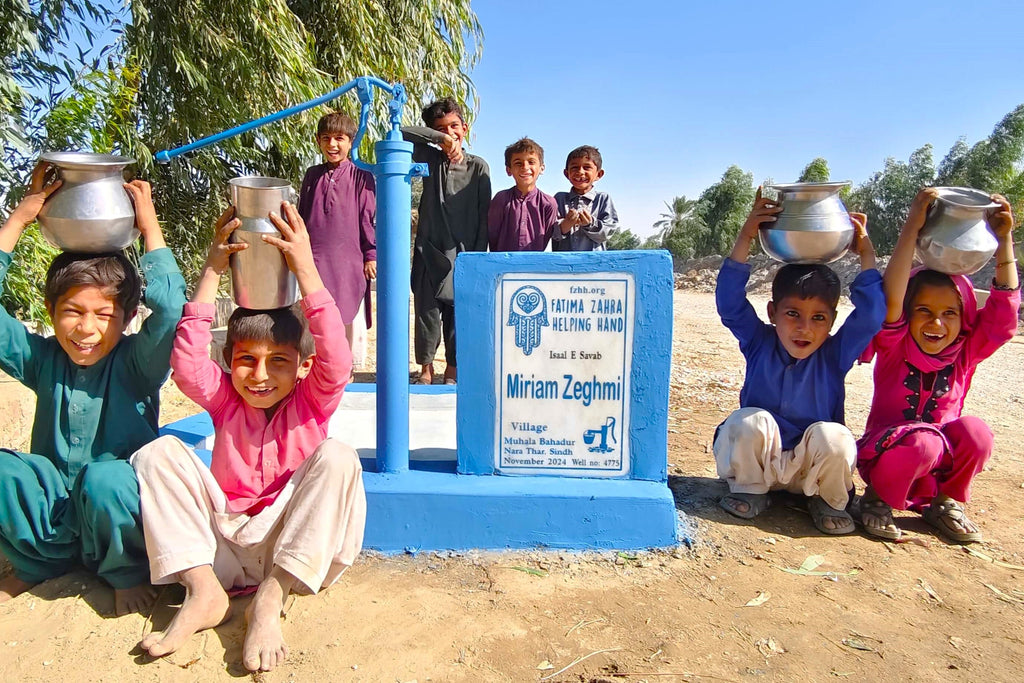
607, 430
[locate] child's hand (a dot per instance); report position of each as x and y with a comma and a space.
218, 258
452, 148
370, 270
584, 218
861, 242
764, 211
919, 210
294, 244
572, 217
145, 213
1000, 220
39, 191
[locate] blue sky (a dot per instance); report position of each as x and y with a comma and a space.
673, 92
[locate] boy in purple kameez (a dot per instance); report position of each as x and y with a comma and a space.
522, 218
338, 204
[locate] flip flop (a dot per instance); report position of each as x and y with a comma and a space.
820, 510
947, 513
756, 504
876, 508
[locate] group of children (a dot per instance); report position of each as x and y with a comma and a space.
282, 506
927, 335
457, 214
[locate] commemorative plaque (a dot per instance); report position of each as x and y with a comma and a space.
563, 372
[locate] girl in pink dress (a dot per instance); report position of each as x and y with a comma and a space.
918, 452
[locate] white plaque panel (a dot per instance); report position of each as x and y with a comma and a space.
562, 373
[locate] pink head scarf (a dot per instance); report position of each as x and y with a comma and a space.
913, 353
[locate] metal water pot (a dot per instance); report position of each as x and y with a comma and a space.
91, 212
813, 227
260, 278
956, 239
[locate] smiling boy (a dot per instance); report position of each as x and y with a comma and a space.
281, 506
74, 498
588, 216
788, 433
338, 203
522, 218
452, 219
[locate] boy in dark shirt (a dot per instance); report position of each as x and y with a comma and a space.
452, 219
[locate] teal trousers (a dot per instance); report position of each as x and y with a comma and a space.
46, 529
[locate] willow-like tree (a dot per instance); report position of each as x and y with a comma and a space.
171, 71
192, 68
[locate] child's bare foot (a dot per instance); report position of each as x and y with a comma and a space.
264, 647
136, 599
206, 606
426, 374
11, 586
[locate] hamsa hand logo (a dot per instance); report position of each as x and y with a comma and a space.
528, 313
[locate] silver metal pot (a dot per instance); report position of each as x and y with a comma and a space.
813, 227
91, 212
956, 239
260, 278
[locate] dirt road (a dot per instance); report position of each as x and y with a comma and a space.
731, 608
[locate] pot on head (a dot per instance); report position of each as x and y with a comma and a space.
813, 226
955, 238
91, 212
260, 278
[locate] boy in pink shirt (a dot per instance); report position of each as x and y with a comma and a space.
281, 506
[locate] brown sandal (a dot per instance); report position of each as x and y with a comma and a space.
949, 516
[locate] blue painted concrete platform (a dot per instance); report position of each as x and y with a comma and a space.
431, 507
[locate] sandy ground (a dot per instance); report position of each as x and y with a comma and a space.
723, 609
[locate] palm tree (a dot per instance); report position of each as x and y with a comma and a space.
679, 209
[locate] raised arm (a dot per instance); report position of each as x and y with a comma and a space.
897, 272
218, 257
428, 136
28, 209
1001, 222
764, 211
19, 347
862, 245
294, 244
145, 214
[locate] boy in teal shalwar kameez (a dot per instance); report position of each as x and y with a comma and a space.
75, 499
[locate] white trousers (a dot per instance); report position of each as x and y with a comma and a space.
356, 333
313, 530
749, 457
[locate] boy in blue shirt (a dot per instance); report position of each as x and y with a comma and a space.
788, 433
75, 499
588, 217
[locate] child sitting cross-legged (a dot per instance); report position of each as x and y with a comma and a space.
73, 499
281, 507
789, 433
918, 451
